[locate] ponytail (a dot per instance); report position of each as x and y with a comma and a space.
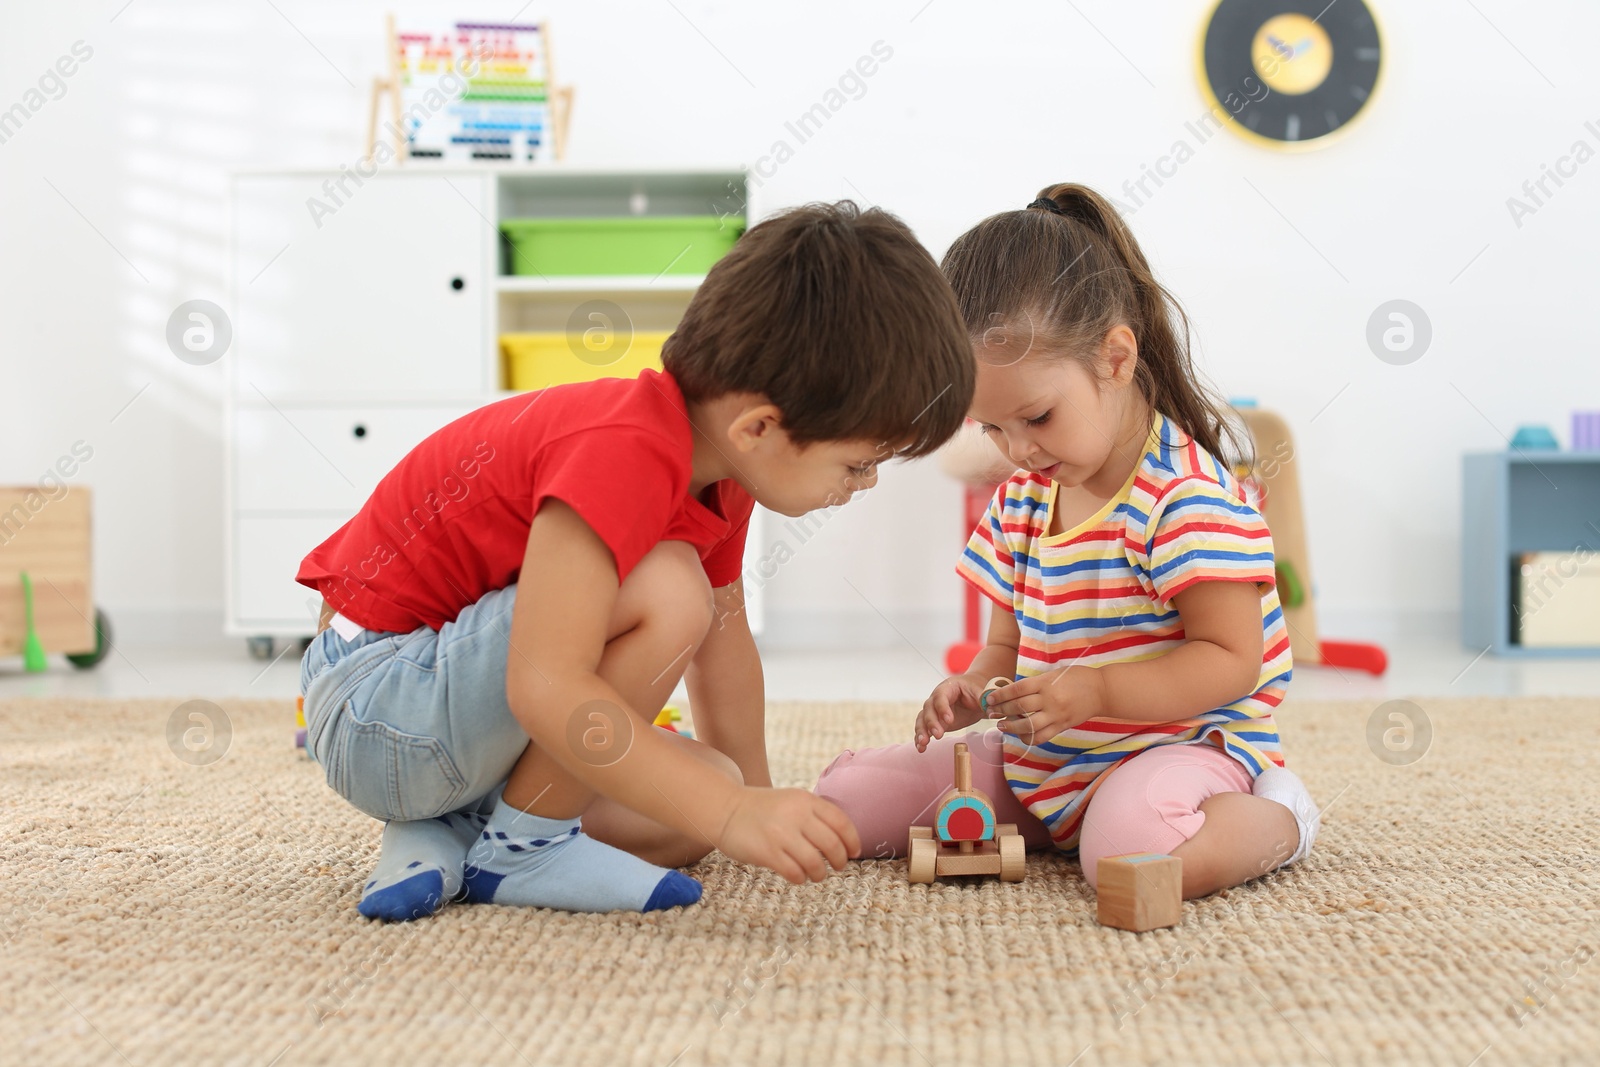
1065, 271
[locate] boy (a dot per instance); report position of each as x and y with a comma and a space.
549, 566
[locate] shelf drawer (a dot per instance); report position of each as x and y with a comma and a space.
267, 550
384, 284
324, 459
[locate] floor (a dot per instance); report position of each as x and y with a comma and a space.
1443, 918
1420, 665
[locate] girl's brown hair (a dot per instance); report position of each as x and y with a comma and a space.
1061, 278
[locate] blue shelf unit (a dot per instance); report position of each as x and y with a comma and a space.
1511, 503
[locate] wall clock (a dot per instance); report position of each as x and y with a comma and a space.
1287, 73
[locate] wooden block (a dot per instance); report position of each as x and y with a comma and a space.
1141, 891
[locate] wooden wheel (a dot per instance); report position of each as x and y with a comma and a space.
1013, 858
924, 859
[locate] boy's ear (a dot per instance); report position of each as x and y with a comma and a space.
753, 425
1119, 355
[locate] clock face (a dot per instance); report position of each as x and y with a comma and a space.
1288, 73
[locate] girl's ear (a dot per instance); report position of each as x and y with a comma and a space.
753, 425
1119, 355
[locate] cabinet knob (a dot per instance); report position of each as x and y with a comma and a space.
458, 283
360, 430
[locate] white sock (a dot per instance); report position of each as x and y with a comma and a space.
1285, 787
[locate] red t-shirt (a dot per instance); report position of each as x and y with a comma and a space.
450, 522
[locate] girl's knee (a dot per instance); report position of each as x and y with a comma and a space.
877, 789
1123, 833
1130, 813
1152, 803
1109, 834
842, 782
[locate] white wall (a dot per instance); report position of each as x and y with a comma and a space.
112, 212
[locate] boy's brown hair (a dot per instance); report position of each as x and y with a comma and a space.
842, 320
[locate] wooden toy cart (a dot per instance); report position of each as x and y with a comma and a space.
47, 537
964, 838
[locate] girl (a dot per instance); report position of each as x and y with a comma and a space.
1132, 570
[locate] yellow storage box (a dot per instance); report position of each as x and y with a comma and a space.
537, 360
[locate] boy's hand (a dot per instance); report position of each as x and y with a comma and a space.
790, 831
952, 705
1036, 709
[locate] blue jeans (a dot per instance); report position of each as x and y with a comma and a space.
411, 726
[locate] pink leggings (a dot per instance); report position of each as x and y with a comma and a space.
1151, 803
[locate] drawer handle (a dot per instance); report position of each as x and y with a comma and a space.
360, 430
458, 283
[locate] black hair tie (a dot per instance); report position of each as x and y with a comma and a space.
1049, 205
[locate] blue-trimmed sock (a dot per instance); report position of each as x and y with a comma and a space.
419, 869
550, 863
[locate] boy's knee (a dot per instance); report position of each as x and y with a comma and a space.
668, 589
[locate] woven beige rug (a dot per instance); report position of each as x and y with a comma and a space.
161, 911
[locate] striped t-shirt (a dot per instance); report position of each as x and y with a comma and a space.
1101, 593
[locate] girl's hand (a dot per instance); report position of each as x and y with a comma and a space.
952, 705
1038, 708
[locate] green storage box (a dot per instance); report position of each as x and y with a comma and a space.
649, 245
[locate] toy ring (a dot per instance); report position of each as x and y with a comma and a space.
988, 687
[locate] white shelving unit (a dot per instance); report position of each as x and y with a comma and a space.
360, 330
622, 283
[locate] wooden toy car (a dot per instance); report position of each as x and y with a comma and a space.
965, 838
